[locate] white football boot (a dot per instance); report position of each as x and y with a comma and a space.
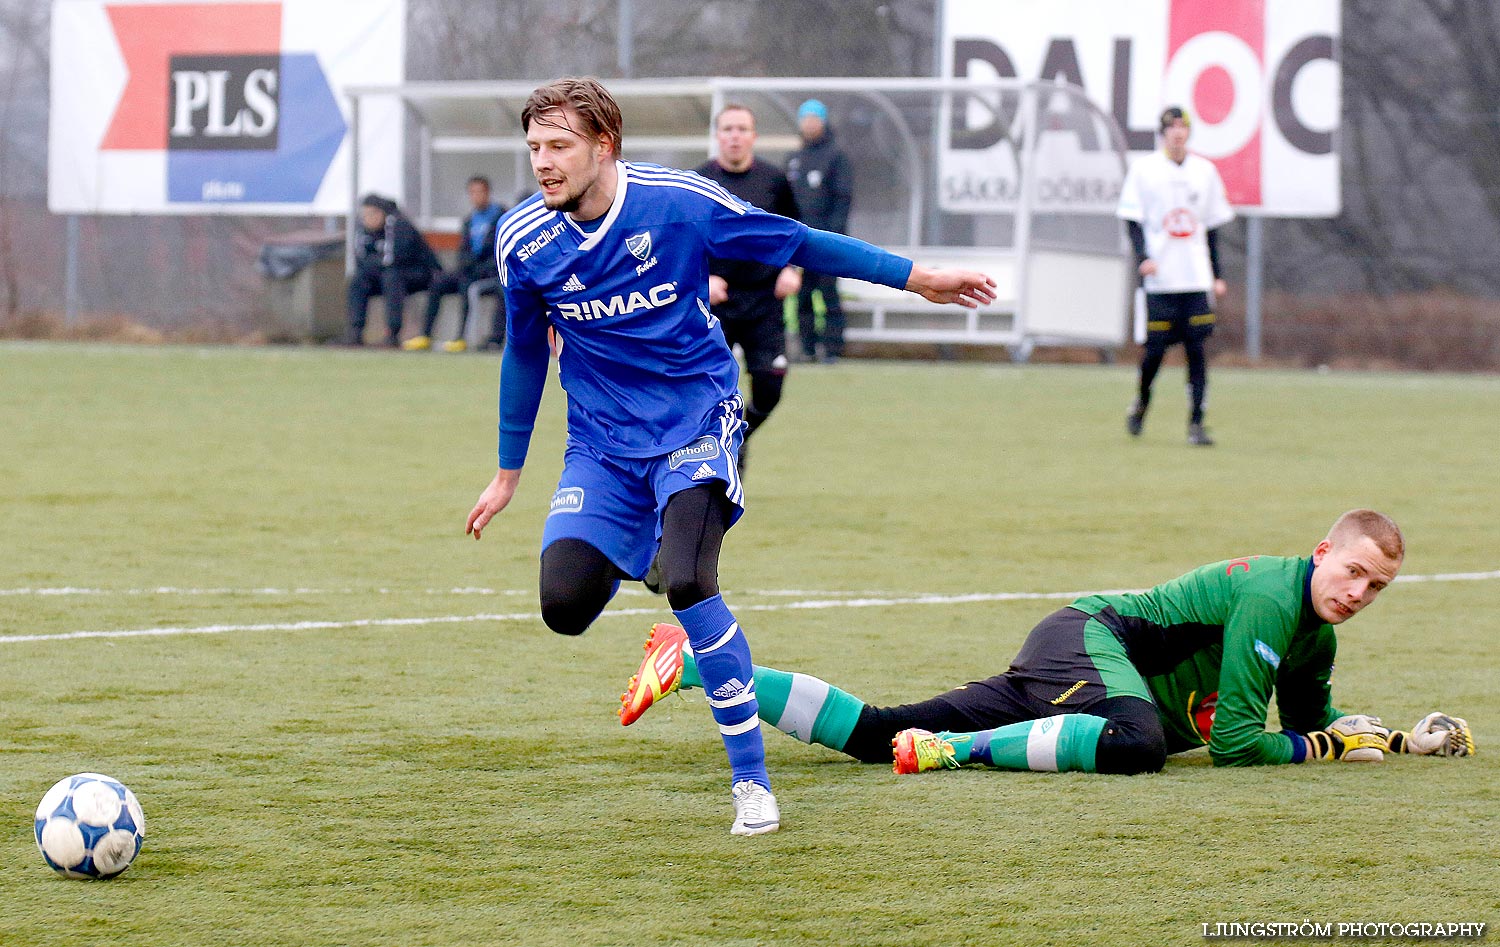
755, 809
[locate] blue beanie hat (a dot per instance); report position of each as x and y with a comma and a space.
813, 107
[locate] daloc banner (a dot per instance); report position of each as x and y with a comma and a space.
1260, 79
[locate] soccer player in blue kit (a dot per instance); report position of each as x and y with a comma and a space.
608, 265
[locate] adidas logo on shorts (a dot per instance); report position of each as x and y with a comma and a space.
703, 472
574, 284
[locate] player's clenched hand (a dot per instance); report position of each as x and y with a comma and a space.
492, 501
965, 287
788, 282
1436, 734
718, 290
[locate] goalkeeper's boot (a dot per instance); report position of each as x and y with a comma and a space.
455, 345
755, 809
1136, 419
417, 343
660, 672
1199, 437
917, 751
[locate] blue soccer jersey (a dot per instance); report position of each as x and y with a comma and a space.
643, 359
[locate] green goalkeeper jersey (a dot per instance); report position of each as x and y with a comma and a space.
1214, 644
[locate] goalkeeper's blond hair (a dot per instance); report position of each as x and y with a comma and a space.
1379, 528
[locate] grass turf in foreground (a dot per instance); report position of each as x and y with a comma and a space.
464, 781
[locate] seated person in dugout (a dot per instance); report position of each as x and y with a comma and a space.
1115, 682
391, 259
475, 264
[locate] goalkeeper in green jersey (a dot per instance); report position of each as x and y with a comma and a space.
1114, 683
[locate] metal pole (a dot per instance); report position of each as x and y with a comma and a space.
939, 49
715, 105
1031, 108
624, 42
70, 274
932, 225
352, 220
1254, 271
424, 171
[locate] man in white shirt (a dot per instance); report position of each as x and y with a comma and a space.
1173, 203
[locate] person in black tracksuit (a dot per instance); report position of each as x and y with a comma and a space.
391, 259
746, 295
476, 262
823, 182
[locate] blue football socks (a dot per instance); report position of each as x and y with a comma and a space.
722, 656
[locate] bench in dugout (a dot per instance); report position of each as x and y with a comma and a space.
1071, 297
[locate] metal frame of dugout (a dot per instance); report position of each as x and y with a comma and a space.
1063, 277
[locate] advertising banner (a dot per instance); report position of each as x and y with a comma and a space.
1260, 79
221, 107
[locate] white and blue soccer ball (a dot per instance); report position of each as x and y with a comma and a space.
89, 826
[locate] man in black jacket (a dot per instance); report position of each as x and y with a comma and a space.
746, 295
476, 261
823, 183
391, 259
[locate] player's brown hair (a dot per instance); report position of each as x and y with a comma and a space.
1381, 529
735, 107
585, 95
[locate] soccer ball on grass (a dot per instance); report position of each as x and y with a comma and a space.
89, 826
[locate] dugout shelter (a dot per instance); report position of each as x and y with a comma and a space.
1015, 178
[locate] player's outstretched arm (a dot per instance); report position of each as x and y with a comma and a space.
495, 498
838, 255
964, 287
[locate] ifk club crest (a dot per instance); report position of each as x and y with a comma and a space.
639, 245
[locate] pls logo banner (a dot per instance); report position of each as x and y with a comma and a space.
240, 119
225, 107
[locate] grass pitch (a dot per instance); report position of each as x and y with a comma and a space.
347, 726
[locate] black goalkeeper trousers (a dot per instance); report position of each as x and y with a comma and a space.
1132, 741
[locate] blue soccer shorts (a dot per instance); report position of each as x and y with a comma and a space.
615, 504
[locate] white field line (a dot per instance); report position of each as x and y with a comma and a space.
1450, 577
168, 590
809, 604
272, 592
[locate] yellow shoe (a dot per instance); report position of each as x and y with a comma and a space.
659, 675
417, 343
917, 751
457, 345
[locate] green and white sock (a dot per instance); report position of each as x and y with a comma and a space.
800, 705
1052, 744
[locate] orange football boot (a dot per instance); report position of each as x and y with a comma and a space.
659, 674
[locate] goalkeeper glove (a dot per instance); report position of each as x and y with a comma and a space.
1436, 734
1355, 738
